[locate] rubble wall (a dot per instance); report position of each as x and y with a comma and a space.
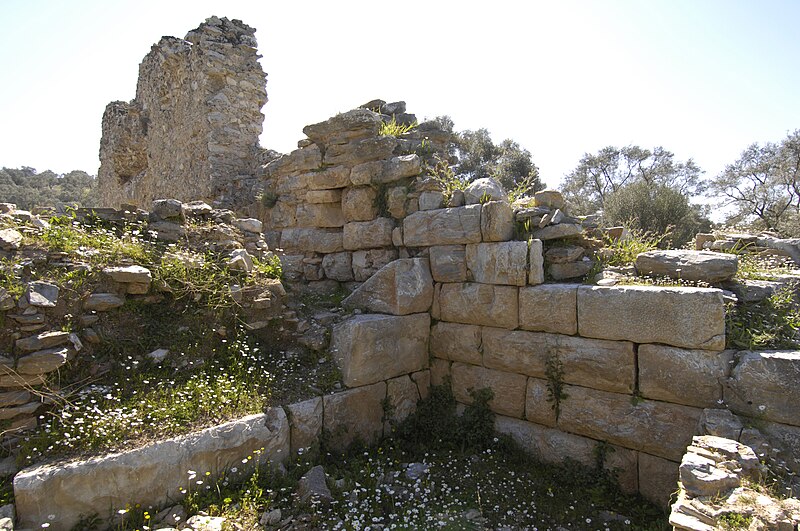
192, 130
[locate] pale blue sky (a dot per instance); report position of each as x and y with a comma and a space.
703, 78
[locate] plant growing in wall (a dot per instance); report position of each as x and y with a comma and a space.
554, 371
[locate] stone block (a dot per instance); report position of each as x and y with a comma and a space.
658, 428
549, 308
538, 407
765, 385
658, 479
401, 287
359, 204
323, 215
431, 200
338, 266
571, 270
508, 388
456, 342
299, 160
551, 199
366, 173
102, 302
423, 381
150, 475
42, 341
549, 445
497, 221
292, 266
498, 263
324, 196
440, 371
480, 304
42, 294
367, 263
355, 414
483, 190
448, 263
396, 198
402, 396
447, 226
305, 422
682, 317
360, 151
554, 232
345, 127
370, 348
682, 264
399, 168
536, 263
328, 178
43, 361
681, 376
368, 234
607, 365
312, 240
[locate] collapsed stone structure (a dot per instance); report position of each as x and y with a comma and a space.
192, 130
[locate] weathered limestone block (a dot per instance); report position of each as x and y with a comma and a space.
370, 348
402, 395
366, 173
312, 240
681, 264
399, 168
680, 376
562, 230
327, 178
508, 388
324, 215
599, 364
355, 414
102, 302
497, 221
551, 199
324, 196
480, 304
338, 266
396, 199
787, 439
345, 127
299, 160
658, 478
577, 269
564, 254
440, 371
447, 226
480, 190
538, 407
249, 225
367, 263
423, 381
151, 475
129, 274
305, 422
359, 203
549, 308
400, 288
10, 239
683, 317
43, 361
42, 294
431, 200
14, 398
21, 380
498, 263
535, 263
368, 234
360, 151
42, 341
448, 263
766, 385
456, 342
658, 428
164, 209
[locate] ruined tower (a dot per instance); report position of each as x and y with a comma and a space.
192, 130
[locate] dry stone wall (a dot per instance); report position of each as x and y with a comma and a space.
192, 130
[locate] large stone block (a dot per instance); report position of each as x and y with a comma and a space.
324, 215
329, 178
766, 385
305, 422
549, 308
338, 266
497, 221
402, 396
367, 263
368, 234
508, 388
150, 475
539, 408
359, 204
312, 240
607, 365
456, 342
370, 348
440, 371
535, 263
498, 263
681, 264
690, 377
398, 168
447, 226
682, 317
401, 287
480, 304
355, 414
657, 428
358, 152
324, 196
448, 263
42, 341
658, 479
345, 127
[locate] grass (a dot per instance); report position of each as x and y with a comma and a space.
772, 323
443, 174
393, 128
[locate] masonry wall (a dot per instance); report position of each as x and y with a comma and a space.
192, 130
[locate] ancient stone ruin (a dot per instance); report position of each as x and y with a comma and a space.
192, 130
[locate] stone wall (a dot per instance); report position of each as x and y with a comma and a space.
192, 130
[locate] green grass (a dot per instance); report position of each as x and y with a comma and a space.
392, 128
772, 323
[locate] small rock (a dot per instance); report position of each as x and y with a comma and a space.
313, 487
549, 198
158, 355
10, 239
483, 190
8, 467
249, 225
175, 515
272, 517
42, 294
241, 260
415, 471
129, 274
205, 523
102, 302
164, 209
42, 341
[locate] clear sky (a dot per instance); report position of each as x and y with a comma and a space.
703, 78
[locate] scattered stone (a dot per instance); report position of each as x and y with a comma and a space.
129, 274
158, 355
693, 266
415, 471
43, 361
240, 260
551, 199
313, 487
205, 523
272, 517
166, 209
484, 190
42, 294
102, 302
564, 254
10, 239
250, 225
564, 271
42, 341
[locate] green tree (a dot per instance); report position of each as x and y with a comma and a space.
763, 185
27, 188
598, 176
